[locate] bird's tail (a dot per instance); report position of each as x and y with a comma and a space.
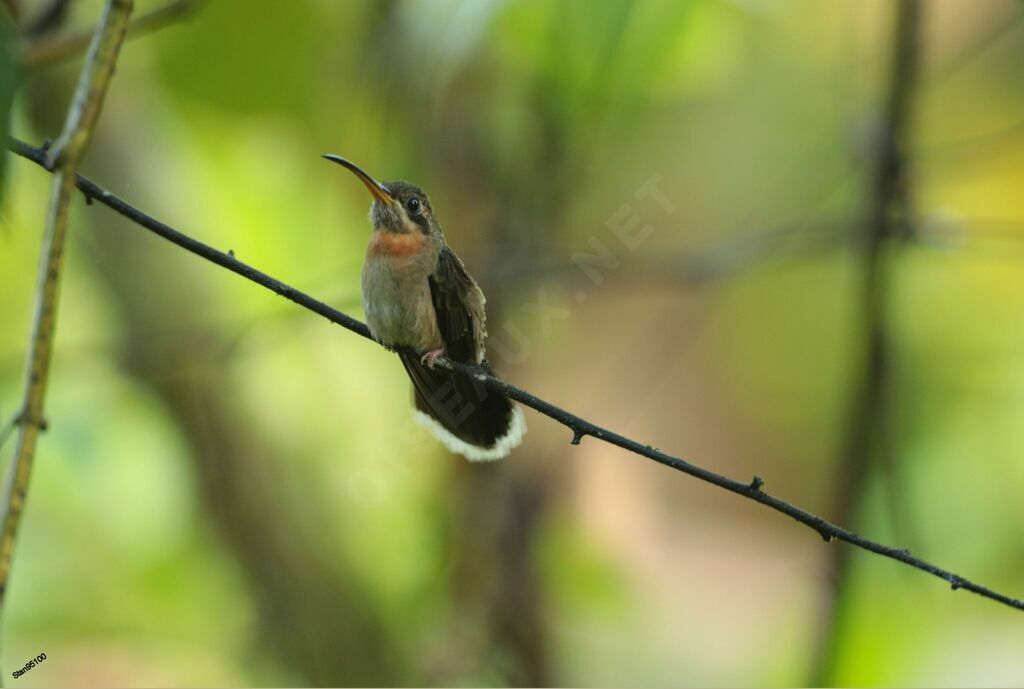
469, 419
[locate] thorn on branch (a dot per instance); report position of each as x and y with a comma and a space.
577, 435
756, 483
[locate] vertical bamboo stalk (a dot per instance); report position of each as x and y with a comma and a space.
63, 158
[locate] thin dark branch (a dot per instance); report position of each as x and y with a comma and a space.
581, 428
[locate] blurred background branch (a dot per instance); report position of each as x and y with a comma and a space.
12, 8
889, 220
49, 19
44, 47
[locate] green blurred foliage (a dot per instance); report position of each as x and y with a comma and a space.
232, 491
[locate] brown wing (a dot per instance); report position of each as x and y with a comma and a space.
459, 305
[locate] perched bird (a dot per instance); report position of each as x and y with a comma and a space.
417, 294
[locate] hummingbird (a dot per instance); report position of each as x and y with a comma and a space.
417, 294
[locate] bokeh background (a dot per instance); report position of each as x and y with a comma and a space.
232, 490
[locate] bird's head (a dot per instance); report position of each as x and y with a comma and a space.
398, 206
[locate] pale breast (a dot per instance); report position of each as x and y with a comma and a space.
396, 294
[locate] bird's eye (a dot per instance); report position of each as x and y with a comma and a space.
413, 205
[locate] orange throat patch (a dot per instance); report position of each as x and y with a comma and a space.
385, 244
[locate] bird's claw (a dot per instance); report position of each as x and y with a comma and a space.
429, 358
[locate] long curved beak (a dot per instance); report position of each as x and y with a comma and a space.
378, 190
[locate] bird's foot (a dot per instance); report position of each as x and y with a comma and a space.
429, 358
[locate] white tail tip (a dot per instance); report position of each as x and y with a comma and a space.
502, 446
